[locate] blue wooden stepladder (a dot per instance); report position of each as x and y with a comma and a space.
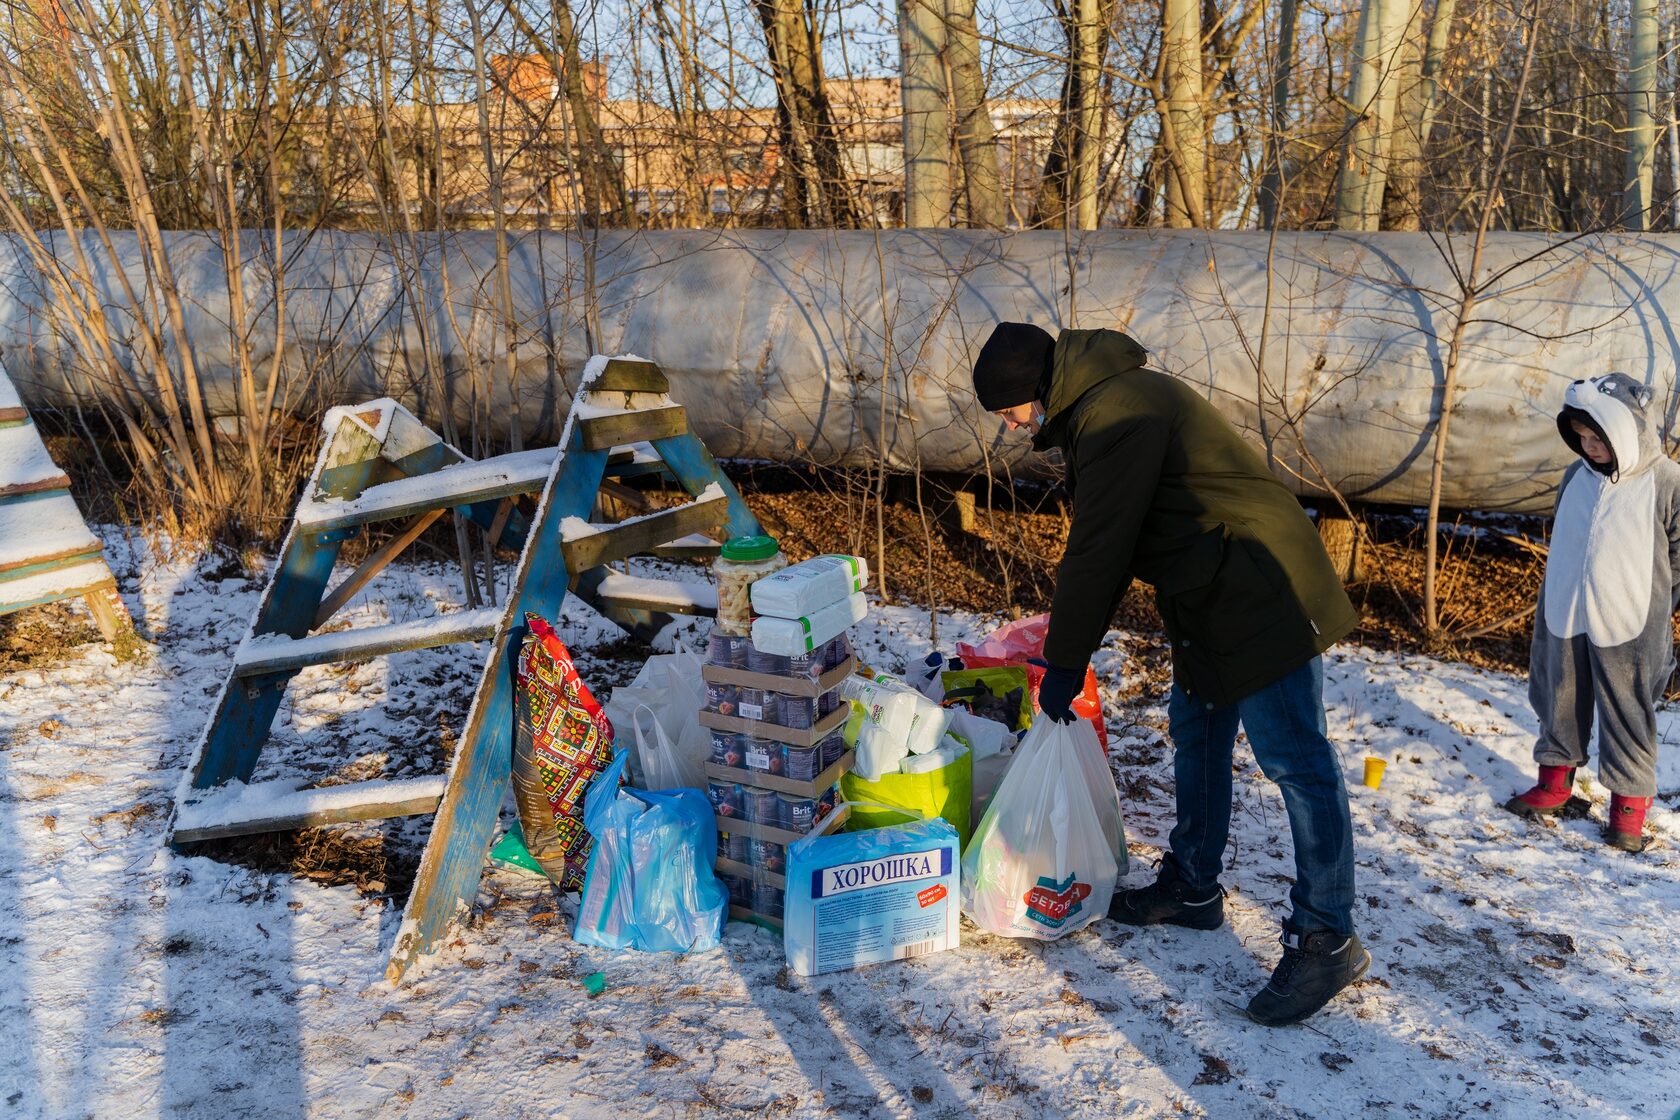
380, 464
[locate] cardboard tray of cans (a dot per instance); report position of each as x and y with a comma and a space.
750, 873
797, 736
758, 779
787, 685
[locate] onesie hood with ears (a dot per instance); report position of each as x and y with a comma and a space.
1614, 406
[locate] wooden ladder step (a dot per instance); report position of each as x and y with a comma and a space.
276, 653
649, 594
584, 546
466, 484
237, 809
612, 429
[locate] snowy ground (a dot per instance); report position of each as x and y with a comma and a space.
1520, 971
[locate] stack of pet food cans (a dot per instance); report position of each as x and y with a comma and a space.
778, 750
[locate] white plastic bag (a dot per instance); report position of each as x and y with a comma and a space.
663, 765
669, 686
1044, 861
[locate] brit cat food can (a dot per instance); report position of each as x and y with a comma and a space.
798, 712
799, 814
832, 748
767, 900
728, 650
767, 855
728, 749
721, 698
760, 662
763, 755
759, 705
725, 798
810, 665
734, 845
762, 806
803, 763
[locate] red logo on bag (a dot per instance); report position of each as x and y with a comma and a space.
1053, 903
931, 895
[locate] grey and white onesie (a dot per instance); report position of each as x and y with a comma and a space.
1602, 632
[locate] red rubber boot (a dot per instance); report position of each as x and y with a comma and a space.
1627, 823
1548, 798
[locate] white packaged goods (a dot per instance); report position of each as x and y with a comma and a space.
878, 753
933, 760
882, 894
803, 589
1044, 860
790, 637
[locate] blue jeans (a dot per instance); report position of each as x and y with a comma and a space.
1286, 727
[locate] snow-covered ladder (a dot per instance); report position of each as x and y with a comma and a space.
47, 552
381, 464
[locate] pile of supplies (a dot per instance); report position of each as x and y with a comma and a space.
776, 658
857, 813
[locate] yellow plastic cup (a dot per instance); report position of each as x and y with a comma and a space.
1374, 771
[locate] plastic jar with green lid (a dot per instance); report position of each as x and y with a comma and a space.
743, 561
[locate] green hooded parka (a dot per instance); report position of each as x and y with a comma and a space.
1166, 491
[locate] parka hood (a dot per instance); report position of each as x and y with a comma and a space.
1081, 361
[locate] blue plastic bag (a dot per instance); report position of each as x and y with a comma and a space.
650, 884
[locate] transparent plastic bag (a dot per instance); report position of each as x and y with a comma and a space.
1044, 860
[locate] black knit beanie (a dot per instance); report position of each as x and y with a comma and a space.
1013, 365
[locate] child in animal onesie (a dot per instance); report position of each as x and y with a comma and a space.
1602, 634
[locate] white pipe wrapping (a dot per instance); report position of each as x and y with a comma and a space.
840, 347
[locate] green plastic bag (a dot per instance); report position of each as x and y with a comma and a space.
946, 793
1002, 693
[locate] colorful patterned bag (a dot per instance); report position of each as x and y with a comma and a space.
562, 740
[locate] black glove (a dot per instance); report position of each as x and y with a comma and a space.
1056, 693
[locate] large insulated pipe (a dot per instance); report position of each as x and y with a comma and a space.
847, 347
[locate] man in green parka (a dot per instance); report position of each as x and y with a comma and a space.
1166, 491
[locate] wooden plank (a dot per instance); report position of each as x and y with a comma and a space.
11, 417
692, 547
628, 495
278, 807
39, 486
669, 596
68, 558
107, 583
623, 375
695, 469
601, 433
372, 566
475, 483
110, 614
455, 850
278, 654
634, 537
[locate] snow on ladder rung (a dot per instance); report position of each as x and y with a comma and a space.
275, 653
463, 484
669, 596
237, 809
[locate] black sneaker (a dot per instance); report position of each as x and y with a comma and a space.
1315, 966
1169, 899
